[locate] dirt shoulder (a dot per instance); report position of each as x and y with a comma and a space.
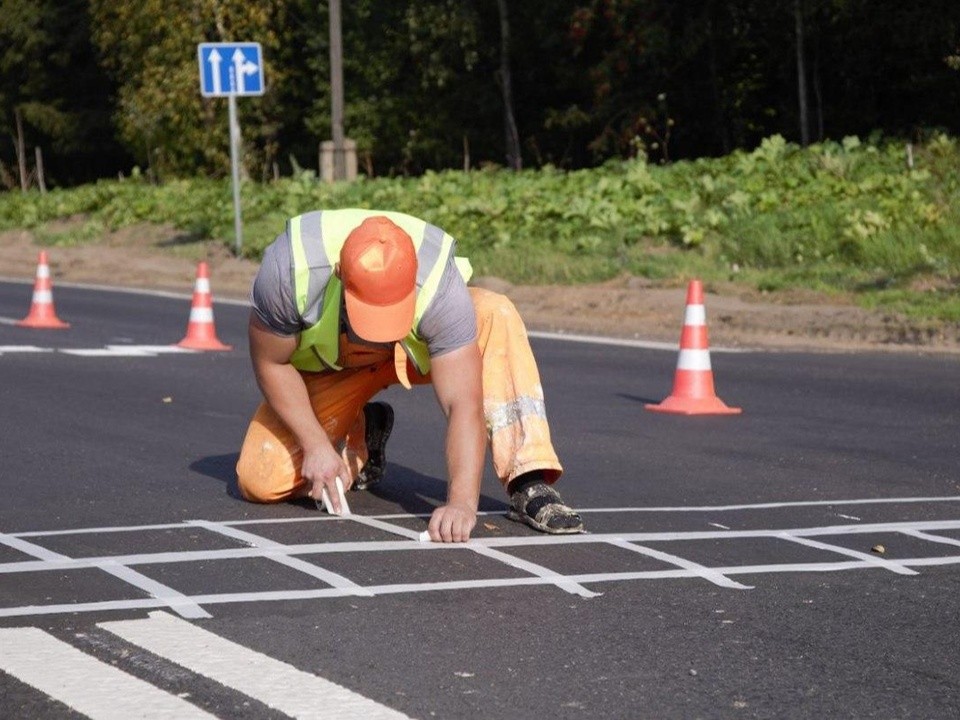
161, 258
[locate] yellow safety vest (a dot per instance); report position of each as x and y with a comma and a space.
316, 239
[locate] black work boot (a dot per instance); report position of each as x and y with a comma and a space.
378, 417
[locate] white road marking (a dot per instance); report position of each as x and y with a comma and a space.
280, 556
127, 351
538, 570
166, 595
623, 342
696, 568
559, 580
277, 684
287, 595
83, 683
774, 505
23, 349
890, 565
931, 538
259, 547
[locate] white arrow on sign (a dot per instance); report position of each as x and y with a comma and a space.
214, 59
242, 67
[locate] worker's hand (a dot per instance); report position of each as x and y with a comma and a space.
321, 468
452, 523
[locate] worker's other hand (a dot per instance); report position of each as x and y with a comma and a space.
452, 523
321, 468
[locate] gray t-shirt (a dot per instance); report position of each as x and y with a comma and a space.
447, 324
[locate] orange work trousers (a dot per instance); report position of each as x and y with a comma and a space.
270, 460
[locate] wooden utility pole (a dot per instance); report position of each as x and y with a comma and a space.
336, 92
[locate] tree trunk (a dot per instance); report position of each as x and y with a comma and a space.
801, 76
514, 160
41, 180
21, 151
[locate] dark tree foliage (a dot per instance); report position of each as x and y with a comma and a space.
591, 80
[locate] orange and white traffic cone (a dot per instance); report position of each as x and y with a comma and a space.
693, 392
201, 333
42, 313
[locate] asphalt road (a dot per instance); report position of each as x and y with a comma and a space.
731, 569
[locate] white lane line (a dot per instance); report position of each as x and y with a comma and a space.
402, 516
890, 565
493, 542
168, 596
559, 580
126, 351
932, 538
694, 567
8, 321
295, 595
503, 557
624, 342
23, 349
774, 505
275, 683
83, 683
386, 527
277, 552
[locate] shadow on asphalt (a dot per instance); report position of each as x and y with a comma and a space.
413, 492
637, 398
222, 468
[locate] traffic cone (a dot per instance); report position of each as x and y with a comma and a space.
42, 313
201, 334
693, 392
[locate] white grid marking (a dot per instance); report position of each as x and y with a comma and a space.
260, 547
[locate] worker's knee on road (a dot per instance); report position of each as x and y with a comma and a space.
261, 485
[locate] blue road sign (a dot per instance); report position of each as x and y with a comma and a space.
230, 69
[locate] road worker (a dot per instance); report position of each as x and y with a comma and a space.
348, 302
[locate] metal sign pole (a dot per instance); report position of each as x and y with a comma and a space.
235, 170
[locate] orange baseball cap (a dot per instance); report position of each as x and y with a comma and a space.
378, 267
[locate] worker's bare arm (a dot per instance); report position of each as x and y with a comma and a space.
456, 378
284, 390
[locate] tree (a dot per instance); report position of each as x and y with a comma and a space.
150, 47
51, 90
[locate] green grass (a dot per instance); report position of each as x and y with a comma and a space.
838, 218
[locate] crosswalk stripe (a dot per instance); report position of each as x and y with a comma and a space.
273, 682
83, 683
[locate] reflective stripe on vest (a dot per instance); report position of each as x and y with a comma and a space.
316, 240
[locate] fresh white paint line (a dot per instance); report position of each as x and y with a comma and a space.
83, 683
503, 557
168, 596
931, 538
890, 565
492, 542
277, 552
624, 342
386, 527
127, 351
294, 595
23, 348
399, 516
277, 684
696, 568
559, 580
773, 505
